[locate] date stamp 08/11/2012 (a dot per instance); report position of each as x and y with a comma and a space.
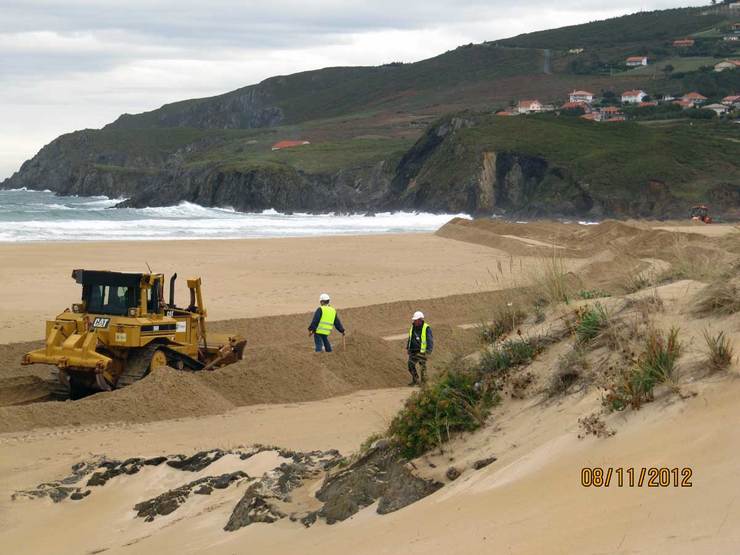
630, 477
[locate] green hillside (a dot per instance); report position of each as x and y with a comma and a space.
365, 123
642, 27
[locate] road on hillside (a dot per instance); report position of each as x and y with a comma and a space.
547, 69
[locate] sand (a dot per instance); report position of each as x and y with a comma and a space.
529, 501
250, 277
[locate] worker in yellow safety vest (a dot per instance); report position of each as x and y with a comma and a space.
325, 319
419, 346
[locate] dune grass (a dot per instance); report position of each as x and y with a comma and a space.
590, 321
656, 365
720, 298
720, 351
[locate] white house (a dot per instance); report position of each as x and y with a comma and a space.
635, 61
718, 109
528, 106
727, 64
581, 96
633, 97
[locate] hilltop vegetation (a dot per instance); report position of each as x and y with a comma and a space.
643, 27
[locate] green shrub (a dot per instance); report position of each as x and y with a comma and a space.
719, 350
657, 364
590, 322
506, 318
514, 352
454, 402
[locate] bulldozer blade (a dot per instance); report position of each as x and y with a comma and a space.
228, 354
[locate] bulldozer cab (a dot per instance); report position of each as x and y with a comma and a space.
119, 294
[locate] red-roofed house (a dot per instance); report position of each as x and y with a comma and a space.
636, 61
610, 112
527, 106
683, 43
683, 103
732, 100
633, 97
647, 104
694, 98
581, 96
288, 144
576, 105
593, 116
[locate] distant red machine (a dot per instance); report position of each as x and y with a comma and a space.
700, 213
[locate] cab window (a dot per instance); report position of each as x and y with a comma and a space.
110, 299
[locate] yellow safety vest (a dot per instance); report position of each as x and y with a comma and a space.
326, 324
424, 327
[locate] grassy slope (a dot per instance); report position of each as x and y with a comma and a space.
323, 157
611, 158
644, 27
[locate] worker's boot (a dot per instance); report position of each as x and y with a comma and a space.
414, 379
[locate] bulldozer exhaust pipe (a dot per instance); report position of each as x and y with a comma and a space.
172, 289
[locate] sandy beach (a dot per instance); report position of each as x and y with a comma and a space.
530, 500
253, 277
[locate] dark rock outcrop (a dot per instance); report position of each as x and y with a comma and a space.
482, 463
261, 502
171, 500
379, 474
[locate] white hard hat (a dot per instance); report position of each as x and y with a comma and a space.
418, 315
324, 297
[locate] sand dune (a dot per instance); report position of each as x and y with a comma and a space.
530, 500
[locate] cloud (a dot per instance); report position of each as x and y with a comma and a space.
80, 63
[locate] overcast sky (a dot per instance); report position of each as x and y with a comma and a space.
76, 64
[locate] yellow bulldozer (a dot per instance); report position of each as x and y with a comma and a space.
123, 328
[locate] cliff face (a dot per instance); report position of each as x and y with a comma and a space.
444, 172
282, 188
247, 108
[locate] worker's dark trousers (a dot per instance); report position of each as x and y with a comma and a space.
419, 359
321, 341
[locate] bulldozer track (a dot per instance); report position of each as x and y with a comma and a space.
137, 365
57, 390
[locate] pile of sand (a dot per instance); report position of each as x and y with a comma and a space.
268, 374
572, 240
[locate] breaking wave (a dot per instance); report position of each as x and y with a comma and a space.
42, 216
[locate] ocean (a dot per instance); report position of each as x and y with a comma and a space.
42, 216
